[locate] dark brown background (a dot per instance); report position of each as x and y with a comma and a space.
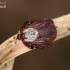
17, 12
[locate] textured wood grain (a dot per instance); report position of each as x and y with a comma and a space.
10, 46
8, 65
13, 47
63, 24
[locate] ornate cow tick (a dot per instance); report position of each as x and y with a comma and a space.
38, 33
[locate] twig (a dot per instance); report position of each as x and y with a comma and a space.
7, 66
62, 25
13, 47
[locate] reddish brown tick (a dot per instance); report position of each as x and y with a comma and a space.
38, 33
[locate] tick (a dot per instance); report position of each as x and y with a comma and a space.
37, 33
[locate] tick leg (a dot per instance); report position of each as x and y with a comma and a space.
48, 45
36, 47
48, 20
42, 47
19, 36
31, 21
30, 46
26, 23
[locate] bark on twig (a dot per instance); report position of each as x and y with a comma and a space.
7, 66
62, 25
13, 47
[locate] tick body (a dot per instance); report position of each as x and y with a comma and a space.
38, 33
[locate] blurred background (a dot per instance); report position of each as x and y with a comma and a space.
12, 19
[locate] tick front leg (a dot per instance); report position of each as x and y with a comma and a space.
48, 45
26, 24
41, 47
20, 36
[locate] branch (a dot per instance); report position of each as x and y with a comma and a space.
13, 47
63, 26
7, 66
